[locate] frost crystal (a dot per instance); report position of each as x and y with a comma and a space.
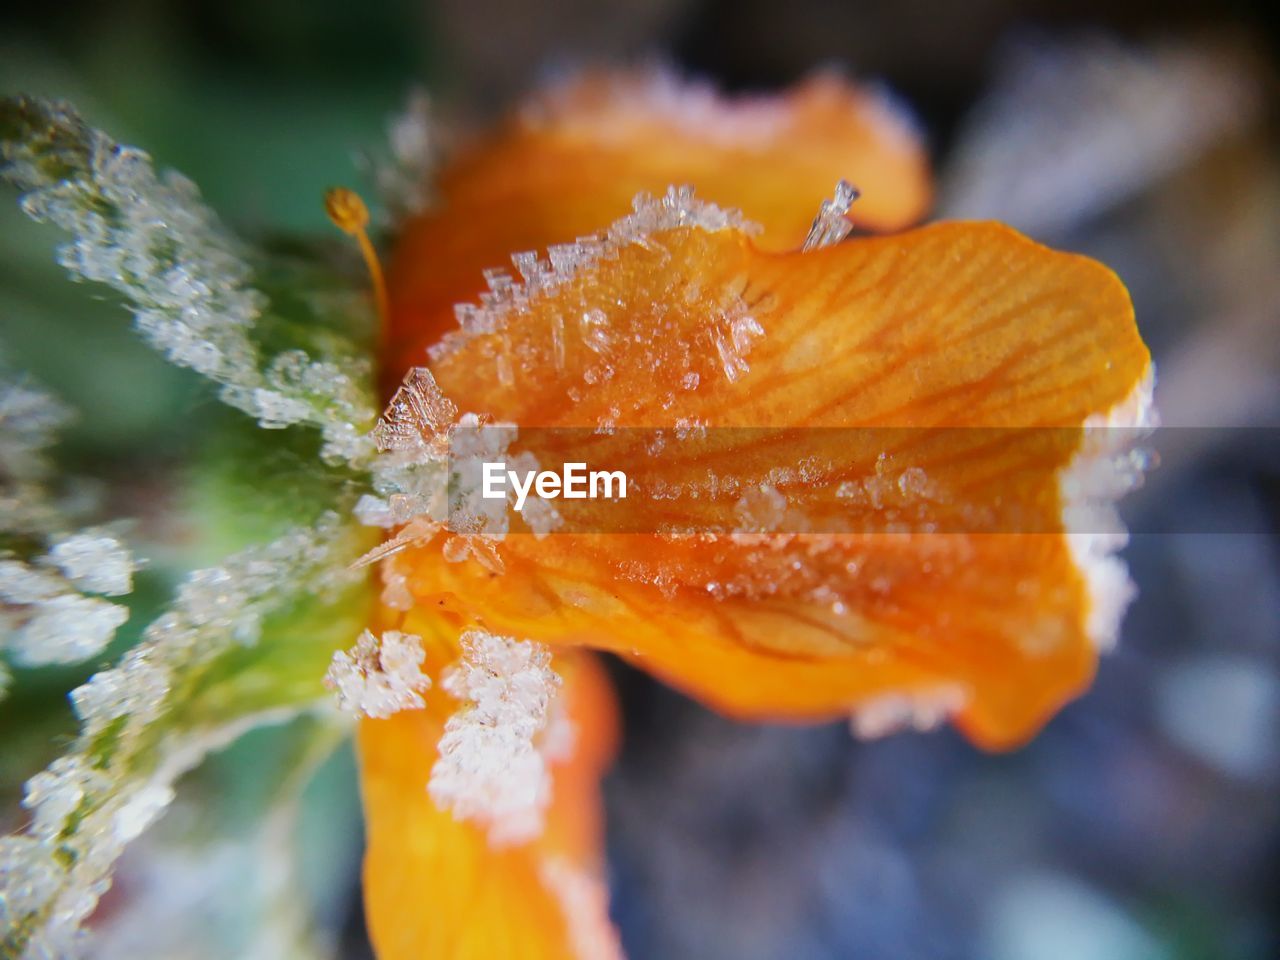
490, 768
66, 629
380, 677
677, 208
95, 563
832, 225
921, 710
86, 806
419, 415
411, 476
44, 570
403, 178
733, 338
1107, 466
429, 476
29, 421
584, 900
593, 102
634, 298
149, 237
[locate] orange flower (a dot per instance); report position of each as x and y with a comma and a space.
683, 318
436, 887
571, 162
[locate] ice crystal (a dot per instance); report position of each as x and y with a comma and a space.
411, 476
419, 415
584, 900
573, 313
65, 629
762, 509
658, 95
604, 311
45, 569
473, 442
832, 225
404, 175
677, 208
379, 677
733, 338
920, 710
491, 769
1108, 465
396, 593
94, 562
87, 805
149, 236
29, 421
429, 477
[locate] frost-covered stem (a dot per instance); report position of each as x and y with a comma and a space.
87, 805
150, 237
182, 887
286, 929
48, 569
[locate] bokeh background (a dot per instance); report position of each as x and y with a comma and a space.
1143, 824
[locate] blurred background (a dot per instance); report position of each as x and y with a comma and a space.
1143, 824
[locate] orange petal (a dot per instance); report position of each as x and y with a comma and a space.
952, 326
996, 622
571, 162
435, 887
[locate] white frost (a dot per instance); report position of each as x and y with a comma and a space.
675, 209
415, 146
428, 477
87, 805
584, 900
919, 710
150, 237
44, 616
95, 562
490, 768
379, 677
1106, 467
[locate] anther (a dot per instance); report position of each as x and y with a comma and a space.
350, 215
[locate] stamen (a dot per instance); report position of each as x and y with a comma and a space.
351, 216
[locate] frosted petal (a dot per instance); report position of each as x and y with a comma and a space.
677, 208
